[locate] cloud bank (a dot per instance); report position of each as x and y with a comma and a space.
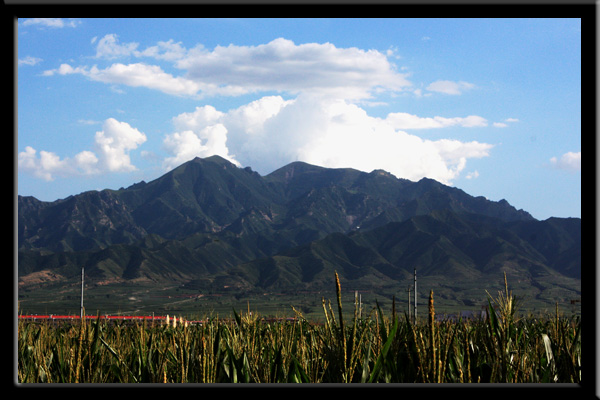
271, 132
279, 65
322, 124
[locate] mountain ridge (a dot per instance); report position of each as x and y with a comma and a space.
207, 195
212, 222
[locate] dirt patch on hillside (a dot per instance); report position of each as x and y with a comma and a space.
39, 277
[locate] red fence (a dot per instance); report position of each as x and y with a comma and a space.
71, 318
140, 318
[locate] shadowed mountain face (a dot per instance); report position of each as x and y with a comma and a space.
212, 221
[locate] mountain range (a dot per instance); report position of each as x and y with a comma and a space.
210, 224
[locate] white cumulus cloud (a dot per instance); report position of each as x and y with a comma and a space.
43, 166
349, 73
271, 132
112, 146
569, 161
114, 142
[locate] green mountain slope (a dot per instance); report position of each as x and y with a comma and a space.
443, 243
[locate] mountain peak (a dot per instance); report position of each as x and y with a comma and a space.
382, 172
214, 159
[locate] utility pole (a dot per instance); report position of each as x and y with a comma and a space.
415, 288
360, 305
408, 290
82, 274
358, 302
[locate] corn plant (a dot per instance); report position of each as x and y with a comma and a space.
375, 348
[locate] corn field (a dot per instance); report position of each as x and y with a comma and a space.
378, 348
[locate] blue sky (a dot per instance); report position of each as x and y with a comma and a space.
491, 106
